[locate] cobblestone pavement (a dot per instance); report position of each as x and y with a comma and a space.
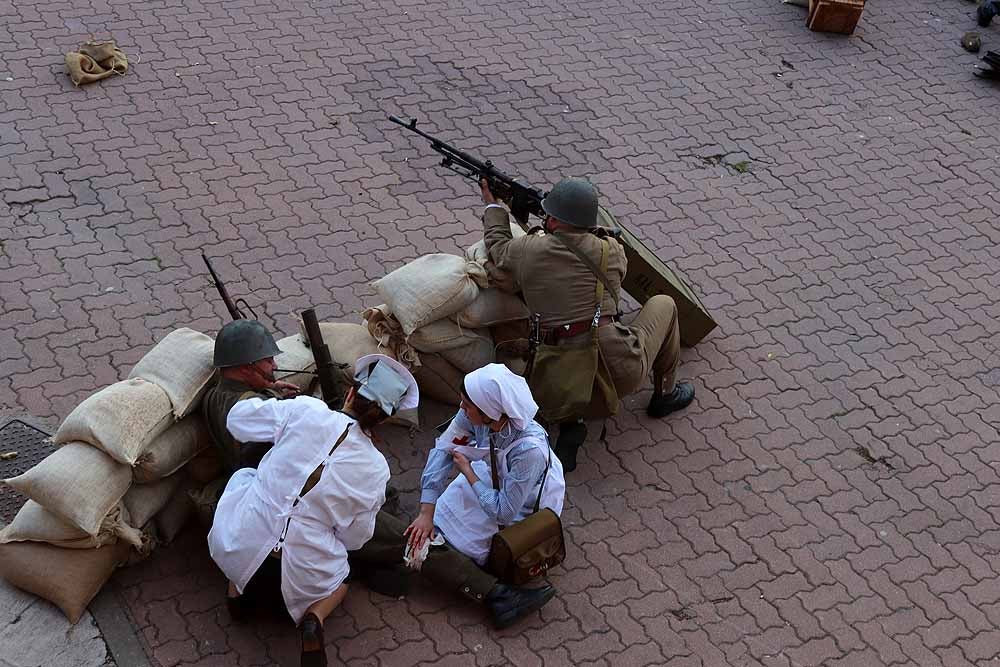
832, 498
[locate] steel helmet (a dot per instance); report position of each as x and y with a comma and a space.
573, 201
243, 342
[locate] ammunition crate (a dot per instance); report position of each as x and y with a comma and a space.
839, 16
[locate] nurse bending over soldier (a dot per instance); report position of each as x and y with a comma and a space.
460, 514
313, 497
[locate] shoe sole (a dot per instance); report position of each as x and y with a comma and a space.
510, 618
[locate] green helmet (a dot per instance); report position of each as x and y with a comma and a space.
573, 201
243, 342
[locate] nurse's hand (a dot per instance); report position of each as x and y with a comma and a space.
462, 463
422, 528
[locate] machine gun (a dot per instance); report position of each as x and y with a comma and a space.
647, 275
523, 200
231, 306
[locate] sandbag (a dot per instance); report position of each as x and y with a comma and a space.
430, 288
181, 365
442, 335
78, 483
172, 449
144, 501
69, 578
122, 419
438, 379
176, 513
492, 306
387, 330
477, 251
476, 354
34, 523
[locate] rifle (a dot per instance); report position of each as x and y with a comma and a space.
326, 369
231, 306
523, 200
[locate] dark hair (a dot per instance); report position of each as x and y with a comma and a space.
368, 413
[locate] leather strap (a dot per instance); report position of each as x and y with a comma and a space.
597, 271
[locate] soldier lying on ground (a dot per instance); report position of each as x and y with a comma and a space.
558, 285
464, 514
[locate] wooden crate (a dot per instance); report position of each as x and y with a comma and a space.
834, 15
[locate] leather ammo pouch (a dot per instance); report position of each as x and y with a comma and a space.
530, 547
572, 380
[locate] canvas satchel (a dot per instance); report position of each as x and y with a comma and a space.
530, 547
572, 380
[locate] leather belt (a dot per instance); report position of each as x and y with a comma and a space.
554, 334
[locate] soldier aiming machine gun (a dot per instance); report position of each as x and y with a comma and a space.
647, 275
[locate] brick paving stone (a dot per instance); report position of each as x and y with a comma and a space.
851, 269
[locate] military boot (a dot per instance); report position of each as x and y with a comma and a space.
571, 437
678, 399
509, 603
313, 645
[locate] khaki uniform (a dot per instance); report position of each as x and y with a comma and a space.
558, 286
444, 566
215, 407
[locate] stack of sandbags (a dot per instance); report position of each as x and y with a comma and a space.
120, 460
347, 343
440, 308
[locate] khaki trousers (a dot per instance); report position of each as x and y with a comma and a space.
444, 566
650, 344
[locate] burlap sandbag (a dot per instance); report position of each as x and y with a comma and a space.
176, 513
430, 288
69, 578
123, 419
181, 365
442, 335
475, 354
172, 449
492, 306
34, 523
438, 379
477, 251
206, 499
83, 69
144, 501
387, 330
78, 483
94, 61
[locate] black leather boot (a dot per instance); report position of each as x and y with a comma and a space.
509, 603
313, 646
571, 436
678, 399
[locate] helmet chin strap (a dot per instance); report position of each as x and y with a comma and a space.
261, 374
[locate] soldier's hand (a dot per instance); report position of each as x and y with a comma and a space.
287, 389
484, 188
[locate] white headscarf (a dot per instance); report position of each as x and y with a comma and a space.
387, 382
497, 391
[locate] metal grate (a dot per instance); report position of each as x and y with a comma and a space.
31, 446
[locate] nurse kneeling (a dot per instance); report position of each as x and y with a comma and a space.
313, 497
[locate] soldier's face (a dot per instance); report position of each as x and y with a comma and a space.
265, 368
